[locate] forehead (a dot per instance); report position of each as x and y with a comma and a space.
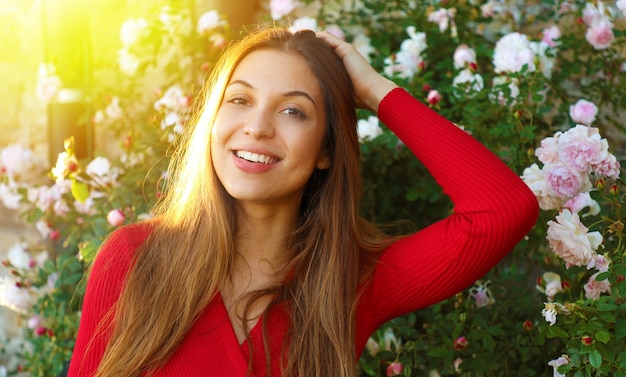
269, 68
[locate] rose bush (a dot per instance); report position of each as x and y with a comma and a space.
541, 85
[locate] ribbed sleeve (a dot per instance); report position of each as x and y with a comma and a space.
493, 210
104, 285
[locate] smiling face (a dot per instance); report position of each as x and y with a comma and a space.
268, 132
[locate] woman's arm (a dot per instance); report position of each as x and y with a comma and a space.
493, 207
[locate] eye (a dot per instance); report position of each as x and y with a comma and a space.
238, 101
294, 112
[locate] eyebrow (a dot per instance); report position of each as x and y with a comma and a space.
292, 93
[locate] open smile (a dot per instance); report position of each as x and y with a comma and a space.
256, 157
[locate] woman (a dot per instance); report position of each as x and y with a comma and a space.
258, 263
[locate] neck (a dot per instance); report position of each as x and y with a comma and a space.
262, 235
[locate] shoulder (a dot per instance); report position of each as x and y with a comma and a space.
119, 249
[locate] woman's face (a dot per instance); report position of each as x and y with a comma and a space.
268, 132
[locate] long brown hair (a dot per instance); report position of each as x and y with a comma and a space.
190, 251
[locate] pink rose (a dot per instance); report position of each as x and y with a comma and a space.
583, 112
591, 14
463, 56
594, 288
116, 217
551, 35
581, 201
548, 153
582, 147
394, 369
608, 167
564, 181
600, 34
570, 239
535, 179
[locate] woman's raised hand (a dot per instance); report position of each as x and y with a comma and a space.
370, 87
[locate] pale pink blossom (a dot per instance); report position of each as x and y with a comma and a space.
116, 217
43, 228
591, 14
549, 313
408, 61
101, 172
488, 9
443, 18
581, 148
132, 30
113, 110
48, 87
535, 179
464, 56
369, 129
34, 322
600, 34
545, 60
601, 263
551, 285
391, 341
60, 208
209, 21
20, 163
570, 239
556, 363
608, 167
372, 346
457, 364
19, 257
282, 8
499, 96
128, 62
470, 82
482, 294
174, 99
550, 35
10, 196
548, 152
594, 288
512, 52
583, 112
564, 181
13, 297
581, 201
66, 164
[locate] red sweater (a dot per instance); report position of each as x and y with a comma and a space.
493, 210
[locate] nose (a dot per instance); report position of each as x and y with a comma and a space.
259, 124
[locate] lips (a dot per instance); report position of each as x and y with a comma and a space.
256, 157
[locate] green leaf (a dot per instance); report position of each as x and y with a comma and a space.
606, 307
595, 359
80, 191
89, 249
603, 336
556, 331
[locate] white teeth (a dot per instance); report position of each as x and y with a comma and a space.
255, 157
